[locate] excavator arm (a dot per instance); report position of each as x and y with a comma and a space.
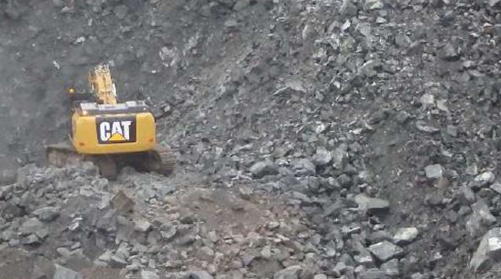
102, 85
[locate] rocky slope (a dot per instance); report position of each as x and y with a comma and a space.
316, 139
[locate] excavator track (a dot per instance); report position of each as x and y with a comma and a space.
61, 155
64, 154
107, 167
161, 160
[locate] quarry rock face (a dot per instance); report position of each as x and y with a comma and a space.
326, 139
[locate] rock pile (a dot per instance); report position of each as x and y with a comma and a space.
374, 120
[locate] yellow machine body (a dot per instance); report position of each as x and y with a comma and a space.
112, 134
108, 127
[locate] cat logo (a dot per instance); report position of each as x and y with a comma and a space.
116, 130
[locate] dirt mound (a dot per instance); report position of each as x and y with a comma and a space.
74, 228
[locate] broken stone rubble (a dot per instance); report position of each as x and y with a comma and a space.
371, 205
411, 52
62, 272
488, 251
405, 235
386, 250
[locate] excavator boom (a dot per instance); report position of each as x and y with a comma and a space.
102, 85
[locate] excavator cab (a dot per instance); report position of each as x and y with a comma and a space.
79, 97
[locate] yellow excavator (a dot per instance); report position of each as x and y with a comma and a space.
109, 133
